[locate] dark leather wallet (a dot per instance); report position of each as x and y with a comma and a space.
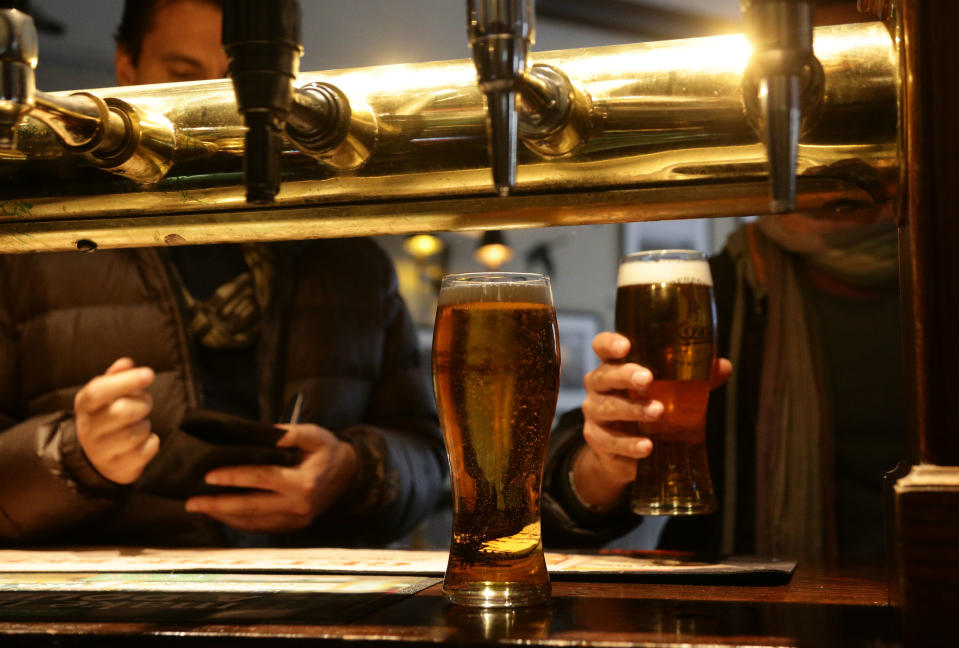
206, 440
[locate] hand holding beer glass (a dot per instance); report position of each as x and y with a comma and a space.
496, 380
665, 306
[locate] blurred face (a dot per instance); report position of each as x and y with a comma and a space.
182, 43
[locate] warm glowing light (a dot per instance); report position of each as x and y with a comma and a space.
421, 246
493, 256
493, 251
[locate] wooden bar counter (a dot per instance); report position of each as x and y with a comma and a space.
815, 608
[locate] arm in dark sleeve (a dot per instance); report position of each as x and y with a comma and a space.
46, 483
402, 465
566, 522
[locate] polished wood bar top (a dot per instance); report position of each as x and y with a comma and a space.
813, 609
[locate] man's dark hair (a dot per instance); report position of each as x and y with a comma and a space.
135, 23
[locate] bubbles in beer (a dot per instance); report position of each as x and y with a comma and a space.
664, 305
496, 379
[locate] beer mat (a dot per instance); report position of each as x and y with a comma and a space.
671, 566
620, 564
199, 598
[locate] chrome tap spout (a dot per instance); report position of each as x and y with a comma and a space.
501, 33
18, 60
781, 34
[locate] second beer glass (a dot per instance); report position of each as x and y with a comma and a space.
664, 305
496, 379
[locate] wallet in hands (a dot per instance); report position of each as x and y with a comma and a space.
206, 440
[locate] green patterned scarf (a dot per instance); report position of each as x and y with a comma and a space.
231, 317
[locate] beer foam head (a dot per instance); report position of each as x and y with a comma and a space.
653, 270
495, 287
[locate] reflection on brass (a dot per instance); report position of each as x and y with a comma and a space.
668, 137
81, 121
18, 234
146, 153
324, 123
557, 115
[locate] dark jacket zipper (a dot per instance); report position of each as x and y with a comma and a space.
174, 299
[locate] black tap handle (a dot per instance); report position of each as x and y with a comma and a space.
262, 43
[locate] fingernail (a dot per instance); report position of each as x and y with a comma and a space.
641, 377
620, 346
654, 409
145, 374
191, 506
645, 446
213, 479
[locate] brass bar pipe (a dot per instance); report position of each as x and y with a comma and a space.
668, 137
453, 214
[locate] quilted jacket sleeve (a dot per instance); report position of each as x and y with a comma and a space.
566, 522
46, 483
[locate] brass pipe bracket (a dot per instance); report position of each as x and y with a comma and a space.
324, 123
147, 150
556, 115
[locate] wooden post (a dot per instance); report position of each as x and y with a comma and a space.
927, 500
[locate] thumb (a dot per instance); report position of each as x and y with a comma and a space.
305, 436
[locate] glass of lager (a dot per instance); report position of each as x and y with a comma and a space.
665, 306
496, 379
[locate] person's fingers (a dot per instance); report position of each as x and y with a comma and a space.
246, 504
103, 390
128, 439
722, 370
270, 523
125, 467
305, 436
266, 477
120, 364
609, 377
148, 449
607, 408
611, 441
122, 412
610, 346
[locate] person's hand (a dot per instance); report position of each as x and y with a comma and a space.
113, 430
288, 498
615, 401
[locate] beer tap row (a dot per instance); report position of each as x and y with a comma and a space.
608, 134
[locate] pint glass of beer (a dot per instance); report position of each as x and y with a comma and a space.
664, 305
496, 379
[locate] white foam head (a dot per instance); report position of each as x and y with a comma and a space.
639, 272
